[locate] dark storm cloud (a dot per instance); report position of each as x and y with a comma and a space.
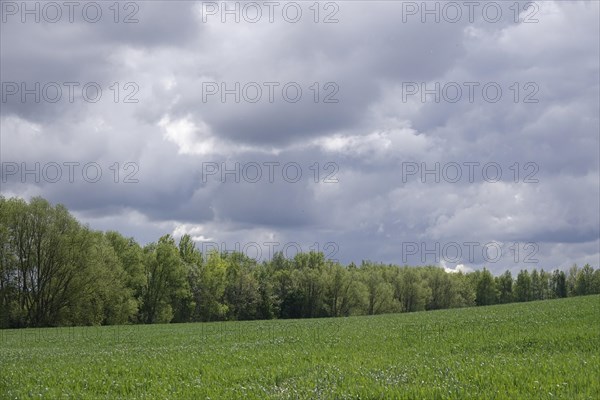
359, 62
370, 134
82, 52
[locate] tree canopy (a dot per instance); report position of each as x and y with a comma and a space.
54, 271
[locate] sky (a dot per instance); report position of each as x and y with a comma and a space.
458, 134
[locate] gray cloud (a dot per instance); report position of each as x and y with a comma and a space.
370, 135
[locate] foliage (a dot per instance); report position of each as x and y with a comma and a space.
56, 272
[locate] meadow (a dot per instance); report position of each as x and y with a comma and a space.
536, 350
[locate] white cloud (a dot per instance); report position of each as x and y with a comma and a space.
195, 231
190, 137
388, 143
457, 268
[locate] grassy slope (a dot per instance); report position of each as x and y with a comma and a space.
543, 350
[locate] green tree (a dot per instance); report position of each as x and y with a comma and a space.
536, 285
101, 295
268, 303
596, 282
465, 292
443, 291
584, 281
50, 249
411, 290
504, 284
287, 296
559, 284
131, 258
545, 282
343, 292
241, 295
485, 293
380, 293
54, 272
209, 284
309, 268
572, 279
166, 281
8, 266
523, 286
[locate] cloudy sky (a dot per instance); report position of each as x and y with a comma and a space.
458, 135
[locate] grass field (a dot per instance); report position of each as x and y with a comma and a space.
538, 350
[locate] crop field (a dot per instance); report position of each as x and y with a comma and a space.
537, 350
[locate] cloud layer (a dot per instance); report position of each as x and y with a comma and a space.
362, 138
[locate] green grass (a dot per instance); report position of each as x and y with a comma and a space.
538, 350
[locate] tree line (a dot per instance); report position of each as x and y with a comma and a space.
54, 271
